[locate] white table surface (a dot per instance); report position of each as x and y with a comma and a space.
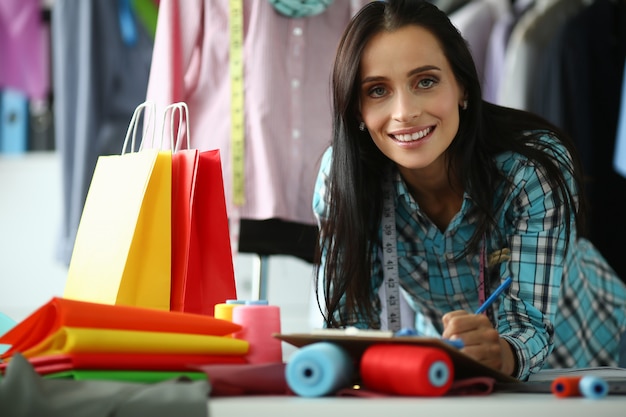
497, 404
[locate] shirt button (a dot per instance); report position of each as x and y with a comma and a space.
295, 134
295, 83
449, 256
297, 31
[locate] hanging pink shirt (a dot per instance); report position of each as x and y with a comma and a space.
287, 67
24, 50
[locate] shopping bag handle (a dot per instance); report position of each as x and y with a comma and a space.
148, 109
183, 115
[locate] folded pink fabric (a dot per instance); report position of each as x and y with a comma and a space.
461, 387
269, 379
248, 379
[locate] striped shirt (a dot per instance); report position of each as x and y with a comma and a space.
563, 309
287, 65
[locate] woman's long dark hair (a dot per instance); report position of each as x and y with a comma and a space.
349, 233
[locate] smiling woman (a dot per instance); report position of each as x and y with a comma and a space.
428, 185
410, 100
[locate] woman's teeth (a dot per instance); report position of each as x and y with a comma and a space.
413, 136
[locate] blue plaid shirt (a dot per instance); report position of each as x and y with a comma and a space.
563, 309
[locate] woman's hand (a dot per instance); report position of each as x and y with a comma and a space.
481, 341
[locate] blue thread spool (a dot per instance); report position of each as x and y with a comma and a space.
319, 369
593, 387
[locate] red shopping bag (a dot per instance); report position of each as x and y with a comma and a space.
202, 265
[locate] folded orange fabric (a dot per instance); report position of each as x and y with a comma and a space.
60, 312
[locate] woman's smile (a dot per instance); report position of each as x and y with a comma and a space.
411, 136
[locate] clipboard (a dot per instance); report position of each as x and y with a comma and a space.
355, 344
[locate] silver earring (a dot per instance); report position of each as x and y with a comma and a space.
362, 126
464, 105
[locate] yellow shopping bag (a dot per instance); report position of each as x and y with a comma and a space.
122, 252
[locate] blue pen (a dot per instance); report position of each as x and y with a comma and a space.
494, 296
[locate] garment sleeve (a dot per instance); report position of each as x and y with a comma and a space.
173, 70
537, 240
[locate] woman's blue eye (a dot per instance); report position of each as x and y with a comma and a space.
377, 91
426, 83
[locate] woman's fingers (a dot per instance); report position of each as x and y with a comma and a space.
481, 341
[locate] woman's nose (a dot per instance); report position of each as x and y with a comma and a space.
406, 107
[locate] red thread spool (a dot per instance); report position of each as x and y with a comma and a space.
407, 370
566, 386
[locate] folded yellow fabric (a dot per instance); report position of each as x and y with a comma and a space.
75, 340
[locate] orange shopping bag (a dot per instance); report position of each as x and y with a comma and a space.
122, 250
202, 266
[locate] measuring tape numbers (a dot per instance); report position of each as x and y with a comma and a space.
237, 114
390, 257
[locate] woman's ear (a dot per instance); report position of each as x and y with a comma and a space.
359, 119
463, 103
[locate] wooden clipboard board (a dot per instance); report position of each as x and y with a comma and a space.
355, 345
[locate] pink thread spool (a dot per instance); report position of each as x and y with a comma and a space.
259, 322
224, 311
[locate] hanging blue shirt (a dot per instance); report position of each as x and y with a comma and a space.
563, 309
619, 158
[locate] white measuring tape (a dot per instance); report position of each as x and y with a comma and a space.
237, 128
390, 257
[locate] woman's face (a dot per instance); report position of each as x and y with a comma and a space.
409, 98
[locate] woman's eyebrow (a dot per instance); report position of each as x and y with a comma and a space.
372, 79
410, 73
423, 68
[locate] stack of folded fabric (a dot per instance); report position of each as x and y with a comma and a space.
83, 340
